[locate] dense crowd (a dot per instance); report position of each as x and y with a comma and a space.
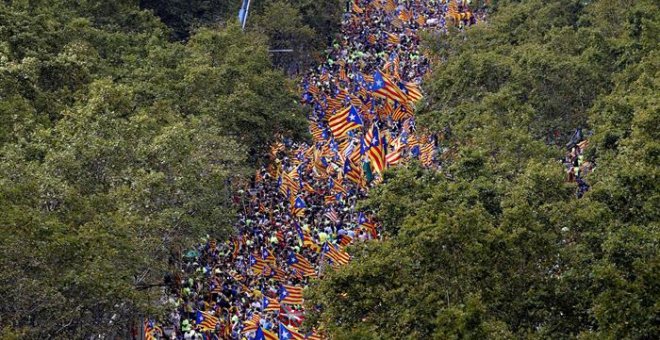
577, 167
299, 213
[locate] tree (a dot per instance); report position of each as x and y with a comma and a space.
120, 148
183, 17
283, 24
496, 243
305, 26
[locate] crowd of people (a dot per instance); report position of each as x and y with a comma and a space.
299, 213
577, 167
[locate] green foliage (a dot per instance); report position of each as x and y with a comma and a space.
118, 149
183, 16
322, 16
495, 244
283, 24
305, 26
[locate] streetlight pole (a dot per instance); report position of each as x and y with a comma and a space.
243, 13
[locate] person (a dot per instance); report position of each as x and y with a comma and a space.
575, 138
221, 277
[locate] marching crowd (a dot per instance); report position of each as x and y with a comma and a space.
299, 213
577, 167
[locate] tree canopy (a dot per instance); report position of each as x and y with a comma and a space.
496, 244
305, 26
128, 128
118, 148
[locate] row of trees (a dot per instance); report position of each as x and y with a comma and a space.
496, 244
305, 26
118, 148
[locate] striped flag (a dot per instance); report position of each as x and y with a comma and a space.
256, 263
286, 333
396, 63
289, 182
258, 177
390, 6
296, 274
237, 248
357, 8
280, 275
377, 151
413, 91
236, 276
356, 156
252, 323
383, 87
267, 256
269, 305
356, 102
308, 188
313, 336
426, 153
396, 22
291, 295
336, 254
413, 141
299, 262
263, 334
405, 15
299, 207
399, 113
275, 148
394, 157
342, 74
268, 271
304, 237
336, 187
393, 39
216, 290
332, 216
421, 20
352, 172
367, 78
314, 90
344, 121
329, 199
149, 330
206, 320
333, 103
324, 77
387, 109
316, 131
452, 7
345, 240
364, 222
362, 92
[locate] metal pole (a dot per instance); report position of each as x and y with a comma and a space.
241, 12
141, 334
247, 10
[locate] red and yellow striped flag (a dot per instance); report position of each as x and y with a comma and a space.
390, 6
357, 8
